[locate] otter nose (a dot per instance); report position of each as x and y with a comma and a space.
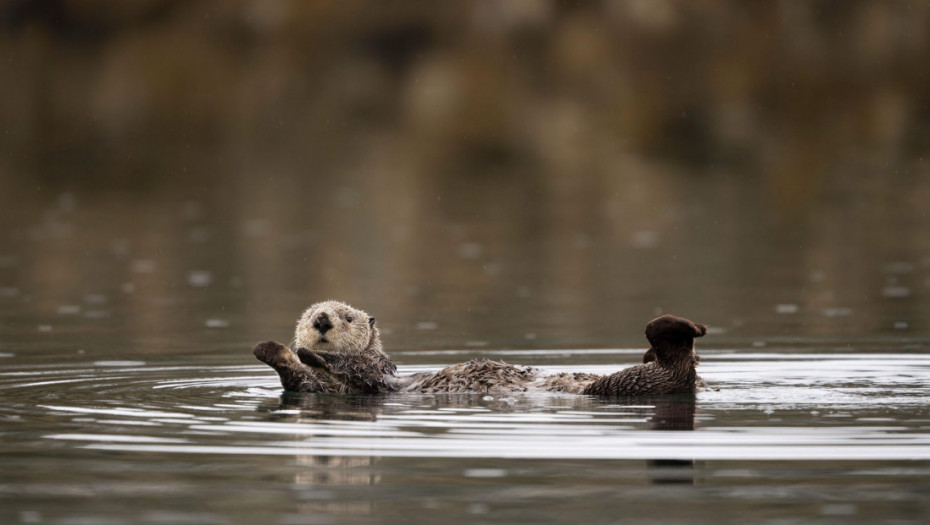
322, 323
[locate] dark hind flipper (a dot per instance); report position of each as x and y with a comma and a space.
669, 328
649, 356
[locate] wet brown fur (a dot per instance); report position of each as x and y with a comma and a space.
347, 358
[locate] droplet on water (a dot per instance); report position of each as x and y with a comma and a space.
143, 266
255, 228
896, 292
470, 250
427, 325
119, 363
69, 309
120, 247
199, 278
192, 210
485, 473
95, 298
898, 268
492, 269
837, 312
217, 323
67, 201
838, 509
786, 308
198, 235
645, 240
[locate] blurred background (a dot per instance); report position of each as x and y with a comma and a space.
187, 176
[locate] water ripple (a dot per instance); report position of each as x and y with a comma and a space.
764, 406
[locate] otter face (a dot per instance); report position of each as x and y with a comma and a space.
334, 327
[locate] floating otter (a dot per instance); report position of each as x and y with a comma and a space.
339, 351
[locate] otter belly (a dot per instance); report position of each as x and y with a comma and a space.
497, 377
478, 376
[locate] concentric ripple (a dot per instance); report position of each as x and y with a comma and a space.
762, 406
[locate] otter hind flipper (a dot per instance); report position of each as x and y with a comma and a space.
649, 356
673, 328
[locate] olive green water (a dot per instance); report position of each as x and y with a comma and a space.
179, 180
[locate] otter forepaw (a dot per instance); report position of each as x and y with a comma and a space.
269, 352
311, 359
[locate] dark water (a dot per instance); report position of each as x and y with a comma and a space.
528, 181
131, 396
809, 435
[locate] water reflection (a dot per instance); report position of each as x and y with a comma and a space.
661, 413
126, 430
323, 470
302, 407
673, 416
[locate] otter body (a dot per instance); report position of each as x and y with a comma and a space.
339, 351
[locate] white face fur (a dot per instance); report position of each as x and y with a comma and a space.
332, 326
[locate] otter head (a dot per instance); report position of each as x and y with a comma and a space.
336, 328
672, 338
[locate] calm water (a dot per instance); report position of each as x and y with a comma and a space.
799, 433
529, 181
130, 395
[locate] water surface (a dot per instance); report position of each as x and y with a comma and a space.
527, 181
828, 436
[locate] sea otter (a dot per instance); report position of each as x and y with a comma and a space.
339, 351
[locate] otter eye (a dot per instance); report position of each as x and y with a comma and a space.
349, 318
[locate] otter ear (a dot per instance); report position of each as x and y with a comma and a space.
371, 322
